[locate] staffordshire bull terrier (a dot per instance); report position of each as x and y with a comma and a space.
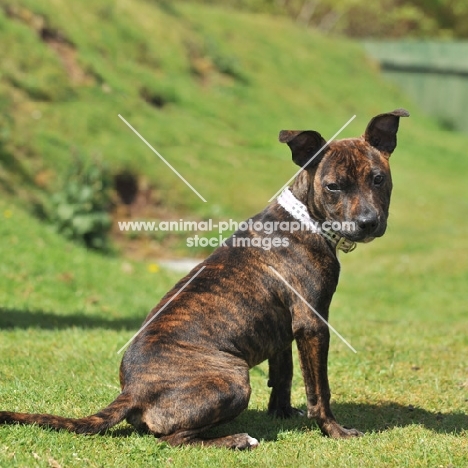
188, 368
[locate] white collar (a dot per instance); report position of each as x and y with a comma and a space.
299, 211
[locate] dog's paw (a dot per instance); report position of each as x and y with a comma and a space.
241, 442
340, 432
252, 441
285, 412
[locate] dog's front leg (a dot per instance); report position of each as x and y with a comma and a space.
280, 379
312, 343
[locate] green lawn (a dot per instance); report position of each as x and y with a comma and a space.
65, 311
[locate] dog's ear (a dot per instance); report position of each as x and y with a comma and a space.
304, 144
382, 130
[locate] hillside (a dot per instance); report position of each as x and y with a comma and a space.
209, 89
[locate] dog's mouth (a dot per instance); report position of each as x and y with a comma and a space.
355, 234
362, 236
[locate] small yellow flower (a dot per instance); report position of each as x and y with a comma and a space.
7, 214
153, 267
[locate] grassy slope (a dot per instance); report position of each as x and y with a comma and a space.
65, 312
218, 130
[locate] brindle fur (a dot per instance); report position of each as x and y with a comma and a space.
188, 370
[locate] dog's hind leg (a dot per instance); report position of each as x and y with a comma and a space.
182, 413
234, 441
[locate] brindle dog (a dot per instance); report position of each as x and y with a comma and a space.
188, 370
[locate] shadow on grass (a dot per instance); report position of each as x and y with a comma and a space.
365, 417
15, 318
388, 415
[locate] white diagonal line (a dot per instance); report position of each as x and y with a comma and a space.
161, 309
162, 159
311, 159
313, 310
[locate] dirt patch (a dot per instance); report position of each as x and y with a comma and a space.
56, 40
68, 56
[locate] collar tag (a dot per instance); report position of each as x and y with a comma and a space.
345, 245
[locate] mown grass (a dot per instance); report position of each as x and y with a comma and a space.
64, 311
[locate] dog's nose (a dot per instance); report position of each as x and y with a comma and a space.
368, 223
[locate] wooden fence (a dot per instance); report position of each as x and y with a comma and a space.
434, 74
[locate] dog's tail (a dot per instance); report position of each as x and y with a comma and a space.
116, 412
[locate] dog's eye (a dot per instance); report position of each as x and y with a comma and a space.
333, 187
378, 179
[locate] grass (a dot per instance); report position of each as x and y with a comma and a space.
229, 81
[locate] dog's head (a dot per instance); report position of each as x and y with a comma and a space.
347, 182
